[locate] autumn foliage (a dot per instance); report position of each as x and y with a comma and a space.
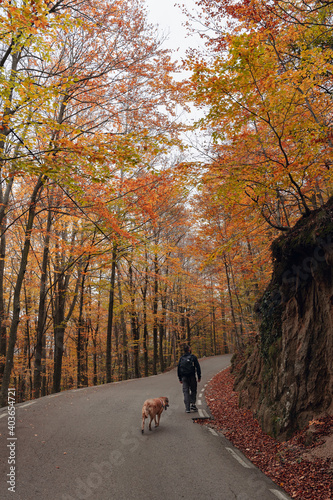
94, 285
116, 243
263, 84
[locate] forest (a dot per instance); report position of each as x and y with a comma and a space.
120, 241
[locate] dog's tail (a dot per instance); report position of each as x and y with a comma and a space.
145, 411
145, 414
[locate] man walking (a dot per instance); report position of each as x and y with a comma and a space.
188, 367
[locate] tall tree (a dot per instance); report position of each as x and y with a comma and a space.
268, 96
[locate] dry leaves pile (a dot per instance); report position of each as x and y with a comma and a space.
284, 463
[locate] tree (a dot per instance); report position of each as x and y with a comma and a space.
268, 102
68, 87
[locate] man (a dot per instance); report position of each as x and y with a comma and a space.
188, 367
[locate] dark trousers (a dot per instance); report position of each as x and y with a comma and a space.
189, 390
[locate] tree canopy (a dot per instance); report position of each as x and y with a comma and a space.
117, 244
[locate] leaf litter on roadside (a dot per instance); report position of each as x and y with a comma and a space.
283, 462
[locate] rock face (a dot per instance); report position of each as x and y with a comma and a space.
287, 375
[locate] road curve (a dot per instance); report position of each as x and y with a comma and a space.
87, 444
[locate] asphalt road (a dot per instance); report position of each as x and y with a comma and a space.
87, 444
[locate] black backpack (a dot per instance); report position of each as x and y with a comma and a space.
186, 365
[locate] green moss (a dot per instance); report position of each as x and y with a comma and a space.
274, 350
297, 255
271, 324
275, 426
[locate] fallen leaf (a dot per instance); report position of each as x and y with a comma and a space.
283, 462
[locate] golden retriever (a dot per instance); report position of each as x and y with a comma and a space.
153, 408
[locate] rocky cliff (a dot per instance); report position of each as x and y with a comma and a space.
287, 375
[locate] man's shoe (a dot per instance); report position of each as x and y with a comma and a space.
188, 411
194, 408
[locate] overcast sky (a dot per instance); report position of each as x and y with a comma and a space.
169, 17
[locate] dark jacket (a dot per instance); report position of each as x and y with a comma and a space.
196, 366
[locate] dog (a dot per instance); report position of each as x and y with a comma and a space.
153, 408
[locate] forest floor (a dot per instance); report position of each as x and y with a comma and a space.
302, 466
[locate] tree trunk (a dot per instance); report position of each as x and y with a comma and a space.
123, 329
3, 316
155, 320
110, 316
82, 374
145, 326
4, 200
94, 333
162, 333
17, 291
231, 302
134, 324
59, 319
59, 332
27, 345
213, 343
39, 368
240, 315
224, 327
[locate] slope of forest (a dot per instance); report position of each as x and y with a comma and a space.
287, 375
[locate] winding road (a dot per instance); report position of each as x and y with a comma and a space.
87, 444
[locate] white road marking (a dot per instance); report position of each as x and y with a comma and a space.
239, 459
212, 431
203, 414
199, 402
279, 495
27, 404
5, 414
